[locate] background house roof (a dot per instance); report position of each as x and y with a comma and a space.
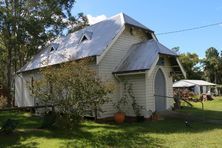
71, 48
142, 55
190, 83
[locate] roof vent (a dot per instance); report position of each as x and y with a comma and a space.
53, 47
87, 35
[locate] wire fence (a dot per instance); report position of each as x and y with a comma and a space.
201, 110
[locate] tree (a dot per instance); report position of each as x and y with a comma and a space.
212, 65
26, 26
73, 88
191, 64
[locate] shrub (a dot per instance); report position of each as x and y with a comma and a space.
9, 126
3, 101
73, 88
49, 119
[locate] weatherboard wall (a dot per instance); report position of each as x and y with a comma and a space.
23, 96
112, 59
150, 86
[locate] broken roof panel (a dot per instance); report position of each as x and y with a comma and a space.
70, 48
142, 55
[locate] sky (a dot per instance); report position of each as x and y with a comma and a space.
164, 16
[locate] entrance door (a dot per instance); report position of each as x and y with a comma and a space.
160, 91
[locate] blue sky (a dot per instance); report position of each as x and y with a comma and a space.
167, 15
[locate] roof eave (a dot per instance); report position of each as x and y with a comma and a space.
143, 28
23, 71
129, 71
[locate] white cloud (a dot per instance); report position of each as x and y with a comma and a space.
95, 19
220, 25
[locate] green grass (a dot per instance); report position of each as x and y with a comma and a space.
212, 109
164, 133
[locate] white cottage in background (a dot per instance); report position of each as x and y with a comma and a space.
197, 86
122, 49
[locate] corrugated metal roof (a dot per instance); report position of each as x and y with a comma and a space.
183, 84
189, 83
130, 21
69, 48
142, 55
200, 82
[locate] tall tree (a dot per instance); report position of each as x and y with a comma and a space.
26, 25
212, 65
191, 64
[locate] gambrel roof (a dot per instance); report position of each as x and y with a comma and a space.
88, 42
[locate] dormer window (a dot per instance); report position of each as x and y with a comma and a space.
84, 38
87, 35
54, 47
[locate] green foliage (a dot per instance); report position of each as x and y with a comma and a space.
123, 101
3, 101
26, 26
49, 120
128, 97
8, 126
208, 68
213, 65
162, 133
136, 107
191, 64
73, 88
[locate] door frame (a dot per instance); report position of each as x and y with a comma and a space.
154, 85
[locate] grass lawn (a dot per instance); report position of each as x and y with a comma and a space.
164, 133
212, 110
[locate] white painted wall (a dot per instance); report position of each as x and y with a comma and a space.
23, 95
112, 59
143, 84
150, 86
138, 88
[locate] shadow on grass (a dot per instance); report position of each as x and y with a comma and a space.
97, 135
80, 137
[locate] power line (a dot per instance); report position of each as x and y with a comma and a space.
189, 29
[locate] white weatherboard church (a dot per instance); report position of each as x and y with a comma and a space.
122, 48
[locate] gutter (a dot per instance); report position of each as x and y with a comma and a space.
135, 72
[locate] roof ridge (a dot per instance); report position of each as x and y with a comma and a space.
126, 19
